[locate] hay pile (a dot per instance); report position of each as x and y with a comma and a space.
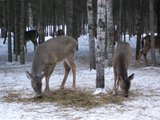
69, 98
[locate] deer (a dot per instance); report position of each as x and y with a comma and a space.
32, 36
47, 55
121, 61
59, 32
146, 46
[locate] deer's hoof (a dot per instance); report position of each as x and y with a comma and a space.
46, 92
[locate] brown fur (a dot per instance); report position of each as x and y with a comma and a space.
121, 62
59, 32
146, 46
32, 36
47, 55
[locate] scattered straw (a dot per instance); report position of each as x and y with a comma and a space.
68, 98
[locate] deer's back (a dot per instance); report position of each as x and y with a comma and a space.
147, 41
31, 35
122, 55
55, 48
53, 51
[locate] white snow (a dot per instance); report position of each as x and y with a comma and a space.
99, 91
142, 104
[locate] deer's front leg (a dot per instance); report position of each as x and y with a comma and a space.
73, 66
140, 54
49, 71
115, 84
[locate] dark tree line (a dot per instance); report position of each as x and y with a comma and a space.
41, 15
129, 17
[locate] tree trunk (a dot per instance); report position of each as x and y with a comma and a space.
9, 31
151, 16
69, 20
119, 29
22, 55
9, 46
95, 18
100, 43
138, 27
30, 15
41, 22
92, 58
75, 23
110, 32
15, 30
124, 24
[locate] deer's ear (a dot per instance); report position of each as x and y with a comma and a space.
131, 77
29, 76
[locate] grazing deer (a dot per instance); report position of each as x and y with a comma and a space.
121, 61
29, 35
46, 56
32, 36
59, 32
146, 46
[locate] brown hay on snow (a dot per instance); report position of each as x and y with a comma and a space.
69, 98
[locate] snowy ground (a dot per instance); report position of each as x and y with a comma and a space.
143, 103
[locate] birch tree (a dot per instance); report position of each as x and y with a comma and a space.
91, 35
100, 43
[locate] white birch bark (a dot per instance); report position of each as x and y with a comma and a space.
100, 43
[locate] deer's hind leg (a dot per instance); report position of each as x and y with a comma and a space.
70, 63
67, 70
73, 66
140, 54
145, 57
